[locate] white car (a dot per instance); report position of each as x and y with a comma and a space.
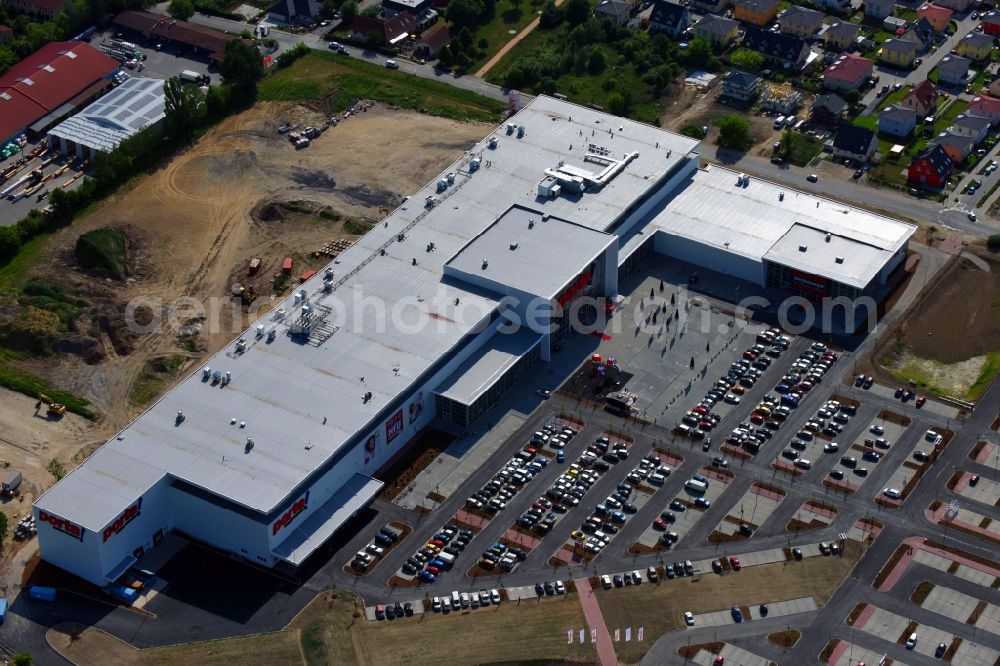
560, 587
971, 215
542, 393
892, 493
732, 399
832, 447
877, 430
495, 597
689, 619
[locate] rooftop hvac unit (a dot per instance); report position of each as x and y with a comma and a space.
260, 330
206, 372
510, 128
451, 177
442, 185
474, 164
520, 131
492, 143
271, 334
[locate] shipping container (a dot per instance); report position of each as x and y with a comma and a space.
286, 266
11, 483
308, 274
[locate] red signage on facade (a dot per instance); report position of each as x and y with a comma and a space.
394, 426
815, 284
61, 524
126, 517
288, 516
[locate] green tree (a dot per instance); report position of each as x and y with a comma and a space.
615, 104
699, 54
348, 11
241, 65
181, 9
597, 61
185, 107
993, 242
22, 659
577, 11
752, 61
465, 13
445, 56
734, 132
552, 16
56, 469
4, 526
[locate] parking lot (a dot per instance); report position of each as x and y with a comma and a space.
750, 511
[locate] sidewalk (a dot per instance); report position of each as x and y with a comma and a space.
595, 620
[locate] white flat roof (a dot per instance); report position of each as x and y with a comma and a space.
123, 112
534, 253
752, 221
293, 394
476, 375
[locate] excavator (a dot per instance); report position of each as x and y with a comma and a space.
55, 408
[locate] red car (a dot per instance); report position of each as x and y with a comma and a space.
749, 355
530, 449
438, 543
700, 410
734, 562
756, 418
921, 400
432, 569
659, 524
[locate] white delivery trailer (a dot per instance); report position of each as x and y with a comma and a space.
188, 75
697, 487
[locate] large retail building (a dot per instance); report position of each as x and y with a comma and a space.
271, 446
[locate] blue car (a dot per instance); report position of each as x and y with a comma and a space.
618, 516
436, 563
737, 614
561, 456
427, 576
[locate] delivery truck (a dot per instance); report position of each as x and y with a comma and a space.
11, 484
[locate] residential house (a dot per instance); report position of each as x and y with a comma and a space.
955, 5
985, 106
894, 25
41, 8
828, 109
781, 98
898, 52
936, 15
384, 29
740, 87
922, 99
755, 12
840, 35
616, 10
6, 34
834, 6
669, 18
710, 6
991, 22
717, 30
953, 70
958, 146
966, 124
294, 11
778, 50
876, 10
848, 72
898, 121
920, 33
799, 21
431, 42
976, 46
930, 170
855, 143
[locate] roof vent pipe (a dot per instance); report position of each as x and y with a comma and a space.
485, 264
828, 237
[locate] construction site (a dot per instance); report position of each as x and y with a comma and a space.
241, 217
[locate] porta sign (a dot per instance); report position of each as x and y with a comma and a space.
126, 517
61, 524
288, 516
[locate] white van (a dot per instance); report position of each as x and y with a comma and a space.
465, 599
657, 479
911, 642
779, 122
456, 599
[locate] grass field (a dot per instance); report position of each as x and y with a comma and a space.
333, 630
345, 79
660, 608
15, 271
497, 32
